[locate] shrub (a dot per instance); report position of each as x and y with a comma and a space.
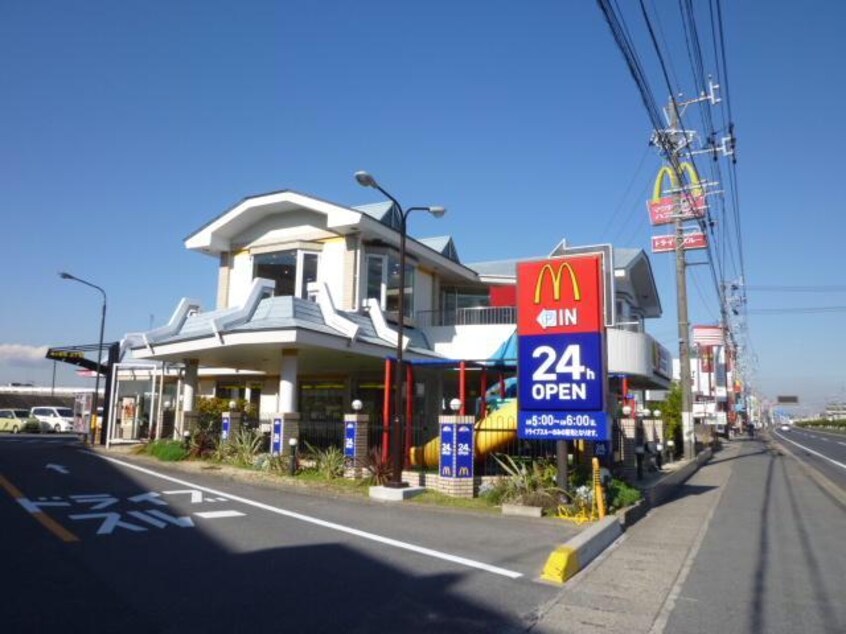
167, 450
622, 494
530, 484
380, 470
329, 462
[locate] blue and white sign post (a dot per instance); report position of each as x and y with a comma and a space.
225, 425
349, 441
276, 437
457, 453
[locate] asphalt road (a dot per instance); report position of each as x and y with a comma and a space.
97, 544
826, 451
773, 558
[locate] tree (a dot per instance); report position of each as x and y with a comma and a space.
671, 413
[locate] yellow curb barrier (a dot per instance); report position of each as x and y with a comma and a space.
568, 559
562, 563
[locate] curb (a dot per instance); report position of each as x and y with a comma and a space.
568, 559
575, 555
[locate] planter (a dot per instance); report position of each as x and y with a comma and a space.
521, 510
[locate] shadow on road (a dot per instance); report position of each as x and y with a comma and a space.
180, 578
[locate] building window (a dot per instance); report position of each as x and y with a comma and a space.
383, 284
291, 270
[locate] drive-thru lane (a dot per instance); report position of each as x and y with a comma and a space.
194, 551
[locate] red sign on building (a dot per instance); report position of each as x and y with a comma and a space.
665, 244
560, 296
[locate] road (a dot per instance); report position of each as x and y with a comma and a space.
93, 543
754, 542
826, 451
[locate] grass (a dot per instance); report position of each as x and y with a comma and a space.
435, 498
166, 450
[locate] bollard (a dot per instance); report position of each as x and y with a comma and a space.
292, 443
598, 492
639, 461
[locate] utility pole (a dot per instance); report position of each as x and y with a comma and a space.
676, 145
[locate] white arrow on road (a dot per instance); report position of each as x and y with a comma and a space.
57, 467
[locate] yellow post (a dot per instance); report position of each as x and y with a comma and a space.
598, 494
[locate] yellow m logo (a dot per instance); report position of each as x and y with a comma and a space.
668, 172
555, 276
464, 471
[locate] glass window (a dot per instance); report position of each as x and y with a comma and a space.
308, 271
292, 270
281, 267
375, 277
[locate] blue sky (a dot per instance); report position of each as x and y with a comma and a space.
126, 126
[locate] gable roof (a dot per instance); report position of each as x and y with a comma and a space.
443, 245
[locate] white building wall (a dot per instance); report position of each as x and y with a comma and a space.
423, 283
240, 278
468, 342
331, 269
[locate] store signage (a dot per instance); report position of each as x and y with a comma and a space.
276, 437
446, 468
708, 335
349, 441
690, 241
561, 349
685, 204
225, 425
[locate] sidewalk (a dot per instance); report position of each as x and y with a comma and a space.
630, 587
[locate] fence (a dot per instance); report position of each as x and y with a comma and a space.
478, 316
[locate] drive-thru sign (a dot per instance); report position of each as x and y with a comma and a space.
561, 349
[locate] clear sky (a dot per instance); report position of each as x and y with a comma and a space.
125, 126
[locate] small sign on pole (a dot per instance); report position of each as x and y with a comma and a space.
225, 425
276, 437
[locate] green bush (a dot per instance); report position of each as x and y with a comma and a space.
621, 494
530, 484
329, 462
167, 450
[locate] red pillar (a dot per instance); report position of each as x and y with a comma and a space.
462, 387
386, 411
409, 409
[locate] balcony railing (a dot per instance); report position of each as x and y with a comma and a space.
478, 316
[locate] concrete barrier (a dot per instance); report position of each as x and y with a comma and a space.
568, 559
667, 485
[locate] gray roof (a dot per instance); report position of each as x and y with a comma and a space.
285, 313
443, 245
508, 268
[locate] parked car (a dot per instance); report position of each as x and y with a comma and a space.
59, 418
18, 420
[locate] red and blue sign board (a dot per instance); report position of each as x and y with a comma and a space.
561, 349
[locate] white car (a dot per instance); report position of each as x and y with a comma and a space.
59, 418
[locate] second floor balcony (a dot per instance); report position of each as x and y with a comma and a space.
475, 316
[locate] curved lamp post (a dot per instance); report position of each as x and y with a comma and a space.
366, 180
95, 400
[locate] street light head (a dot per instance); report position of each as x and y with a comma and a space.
365, 179
437, 212
65, 276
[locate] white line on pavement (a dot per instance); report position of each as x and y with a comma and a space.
213, 515
816, 453
436, 554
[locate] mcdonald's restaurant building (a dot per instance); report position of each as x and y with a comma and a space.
307, 306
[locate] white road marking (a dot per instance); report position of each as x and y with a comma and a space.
841, 443
388, 541
811, 451
213, 515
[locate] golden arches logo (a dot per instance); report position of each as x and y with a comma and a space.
668, 172
556, 276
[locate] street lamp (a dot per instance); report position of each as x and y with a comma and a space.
95, 400
366, 180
